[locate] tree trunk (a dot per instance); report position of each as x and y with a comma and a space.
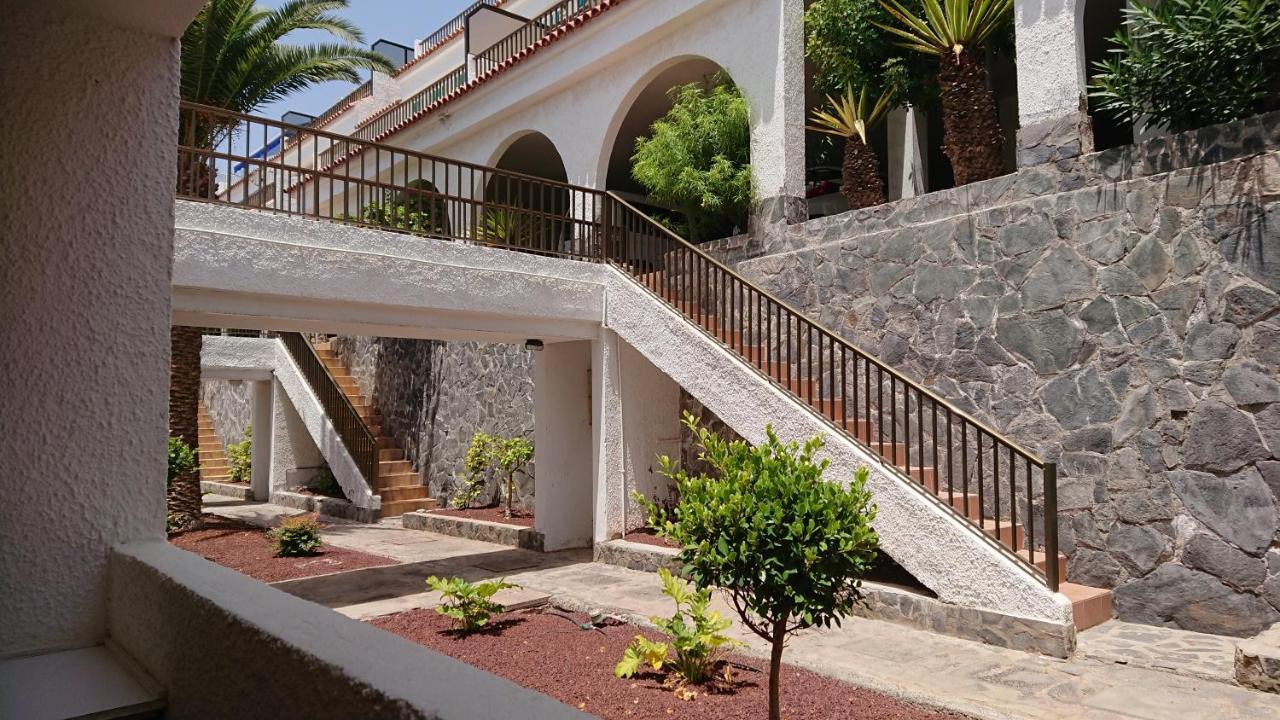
860, 174
511, 486
971, 135
775, 667
184, 422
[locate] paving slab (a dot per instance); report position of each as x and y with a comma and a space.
1211, 657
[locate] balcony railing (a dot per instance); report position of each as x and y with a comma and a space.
336, 109
454, 26
1003, 492
403, 110
530, 33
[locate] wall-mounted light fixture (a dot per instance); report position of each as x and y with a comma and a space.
533, 344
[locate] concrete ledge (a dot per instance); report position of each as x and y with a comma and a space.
516, 536
636, 556
321, 505
239, 491
1258, 661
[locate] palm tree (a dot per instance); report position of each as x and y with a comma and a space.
233, 58
955, 33
851, 119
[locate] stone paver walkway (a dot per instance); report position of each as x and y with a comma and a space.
980, 680
1186, 653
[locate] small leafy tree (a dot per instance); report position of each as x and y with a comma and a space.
240, 456
696, 632
182, 459
697, 158
469, 605
851, 118
788, 547
507, 456
296, 537
1184, 64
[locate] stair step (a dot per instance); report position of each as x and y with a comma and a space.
387, 468
400, 478
1008, 535
386, 454
386, 443
397, 493
1090, 606
400, 507
1042, 562
958, 501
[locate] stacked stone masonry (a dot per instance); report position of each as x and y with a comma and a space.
230, 405
434, 397
1119, 314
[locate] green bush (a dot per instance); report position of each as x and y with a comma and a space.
788, 547
324, 483
1185, 64
697, 158
240, 457
182, 459
469, 605
296, 537
695, 630
493, 452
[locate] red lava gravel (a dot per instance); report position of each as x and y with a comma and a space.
247, 550
523, 518
646, 536
550, 654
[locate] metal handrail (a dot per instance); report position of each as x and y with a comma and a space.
363, 91
530, 33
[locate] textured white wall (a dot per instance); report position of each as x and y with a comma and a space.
1051, 72
650, 427
562, 452
86, 217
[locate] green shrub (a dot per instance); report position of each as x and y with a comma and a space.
240, 457
296, 537
697, 158
695, 630
493, 452
1184, 64
182, 459
324, 483
469, 605
788, 547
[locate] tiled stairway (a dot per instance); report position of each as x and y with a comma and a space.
397, 484
214, 465
1090, 606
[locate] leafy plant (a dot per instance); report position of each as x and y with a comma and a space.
493, 452
296, 537
955, 32
469, 605
182, 459
697, 158
851, 118
788, 547
1184, 64
848, 47
500, 226
696, 632
240, 456
324, 483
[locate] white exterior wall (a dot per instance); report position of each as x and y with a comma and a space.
562, 450
1051, 70
84, 303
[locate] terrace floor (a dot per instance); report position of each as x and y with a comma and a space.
1127, 671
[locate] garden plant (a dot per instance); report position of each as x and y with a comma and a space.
788, 547
296, 537
469, 605
503, 455
182, 463
240, 457
851, 117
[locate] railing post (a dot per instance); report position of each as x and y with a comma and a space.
606, 227
1051, 525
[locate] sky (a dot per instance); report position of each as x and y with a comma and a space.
400, 21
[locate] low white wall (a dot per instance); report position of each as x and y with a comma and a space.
226, 646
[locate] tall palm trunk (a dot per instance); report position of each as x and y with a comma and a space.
860, 174
970, 127
184, 505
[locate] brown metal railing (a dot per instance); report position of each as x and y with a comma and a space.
454, 26
1004, 492
393, 115
529, 33
336, 109
353, 431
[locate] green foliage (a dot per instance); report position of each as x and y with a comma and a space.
848, 47
296, 537
182, 459
240, 457
695, 630
469, 605
788, 547
697, 158
324, 483
402, 217
1184, 64
500, 226
851, 116
947, 25
507, 456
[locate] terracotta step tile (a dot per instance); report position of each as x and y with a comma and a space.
1042, 563
1008, 535
388, 453
1090, 606
402, 492
386, 443
394, 467
400, 507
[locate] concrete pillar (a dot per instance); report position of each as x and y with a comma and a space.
908, 172
294, 455
562, 432
777, 126
263, 421
1052, 118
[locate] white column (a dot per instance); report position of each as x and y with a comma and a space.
907, 170
777, 123
562, 431
1051, 81
261, 416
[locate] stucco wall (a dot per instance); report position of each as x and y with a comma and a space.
86, 192
1119, 320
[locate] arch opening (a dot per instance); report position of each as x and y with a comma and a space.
523, 211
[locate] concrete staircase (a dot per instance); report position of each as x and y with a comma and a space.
399, 487
214, 465
1090, 606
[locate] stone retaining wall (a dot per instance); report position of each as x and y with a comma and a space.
1121, 320
230, 406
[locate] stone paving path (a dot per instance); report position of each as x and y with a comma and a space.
1186, 653
980, 680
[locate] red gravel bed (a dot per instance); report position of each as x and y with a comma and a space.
523, 518
647, 536
247, 549
548, 653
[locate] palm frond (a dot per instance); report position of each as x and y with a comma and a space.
947, 26
851, 117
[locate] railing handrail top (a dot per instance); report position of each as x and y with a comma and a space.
390, 107
381, 146
995, 434
345, 400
